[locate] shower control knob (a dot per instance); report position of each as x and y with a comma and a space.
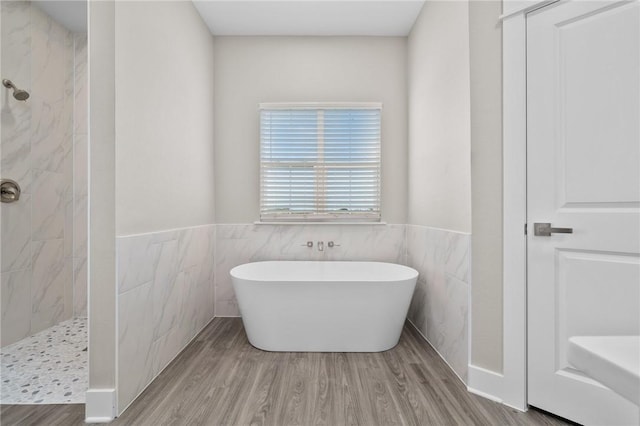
9, 191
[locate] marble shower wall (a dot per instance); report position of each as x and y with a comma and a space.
165, 297
440, 304
242, 243
37, 152
77, 211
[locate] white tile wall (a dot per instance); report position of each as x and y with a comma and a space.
77, 213
48, 280
165, 297
440, 305
38, 152
16, 303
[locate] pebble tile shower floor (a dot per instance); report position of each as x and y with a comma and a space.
49, 367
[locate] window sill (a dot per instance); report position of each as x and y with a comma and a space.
298, 223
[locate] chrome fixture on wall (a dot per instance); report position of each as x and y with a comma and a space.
9, 191
19, 94
320, 245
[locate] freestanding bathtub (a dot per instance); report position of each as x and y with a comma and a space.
307, 306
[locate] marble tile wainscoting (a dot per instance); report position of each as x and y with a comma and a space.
440, 305
171, 283
165, 297
241, 243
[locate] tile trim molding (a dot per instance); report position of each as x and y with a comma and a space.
161, 231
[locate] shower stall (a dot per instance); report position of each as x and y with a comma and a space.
44, 188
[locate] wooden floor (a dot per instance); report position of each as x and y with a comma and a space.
219, 379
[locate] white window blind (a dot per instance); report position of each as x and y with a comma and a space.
320, 162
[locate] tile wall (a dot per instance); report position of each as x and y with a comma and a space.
37, 141
165, 297
79, 207
440, 305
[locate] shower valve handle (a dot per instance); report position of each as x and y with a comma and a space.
9, 191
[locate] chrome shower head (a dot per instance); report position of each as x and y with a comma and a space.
19, 94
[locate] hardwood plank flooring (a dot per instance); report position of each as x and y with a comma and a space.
50, 415
221, 380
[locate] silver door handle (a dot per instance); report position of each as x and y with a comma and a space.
545, 230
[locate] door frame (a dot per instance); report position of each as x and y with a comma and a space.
514, 243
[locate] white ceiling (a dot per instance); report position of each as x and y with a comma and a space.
278, 17
309, 17
72, 14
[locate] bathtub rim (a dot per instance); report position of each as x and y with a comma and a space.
412, 273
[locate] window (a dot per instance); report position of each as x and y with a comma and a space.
320, 162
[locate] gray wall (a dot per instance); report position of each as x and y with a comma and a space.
486, 183
164, 117
455, 147
250, 70
102, 262
439, 129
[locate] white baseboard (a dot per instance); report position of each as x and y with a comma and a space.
100, 405
486, 383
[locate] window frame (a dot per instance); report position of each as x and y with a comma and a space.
350, 217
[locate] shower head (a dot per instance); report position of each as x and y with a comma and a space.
19, 94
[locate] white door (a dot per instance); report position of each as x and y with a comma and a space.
583, 172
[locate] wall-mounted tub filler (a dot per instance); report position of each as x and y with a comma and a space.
320, 245
19, 94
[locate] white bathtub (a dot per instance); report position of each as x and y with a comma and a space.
294, 306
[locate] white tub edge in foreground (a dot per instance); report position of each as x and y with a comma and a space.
328, 306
